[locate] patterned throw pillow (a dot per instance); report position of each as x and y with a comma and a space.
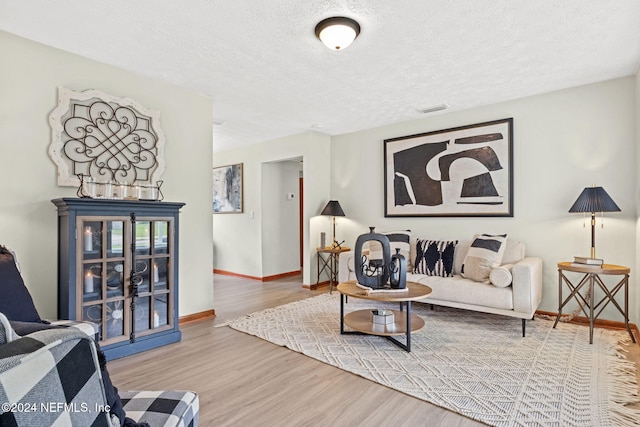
397, 239
485, 253
435, 257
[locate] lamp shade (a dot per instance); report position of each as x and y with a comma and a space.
332, 209
337, 32
594, 199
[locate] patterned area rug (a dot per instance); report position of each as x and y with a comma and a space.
471, 363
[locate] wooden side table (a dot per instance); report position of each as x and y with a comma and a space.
591, 278
328, 261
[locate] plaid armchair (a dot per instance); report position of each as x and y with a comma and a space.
52, 377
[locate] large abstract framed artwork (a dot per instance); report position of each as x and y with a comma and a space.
464, 171
227, 189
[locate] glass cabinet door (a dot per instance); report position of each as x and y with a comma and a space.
102, 268
153, 263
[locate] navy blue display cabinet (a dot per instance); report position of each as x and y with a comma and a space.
118, 268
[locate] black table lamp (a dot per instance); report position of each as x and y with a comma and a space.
333, 209
594, 199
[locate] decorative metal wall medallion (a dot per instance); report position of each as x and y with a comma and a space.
105, 137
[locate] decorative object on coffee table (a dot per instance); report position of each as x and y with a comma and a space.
372, 274
387, 270
592, 200
398, 271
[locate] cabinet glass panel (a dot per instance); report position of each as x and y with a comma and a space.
142, 268
160, 237
115, 319
92, 239
160, 310
142, 314
143, 237
160, 273
115, 279
93, 313
115, 239
92, 281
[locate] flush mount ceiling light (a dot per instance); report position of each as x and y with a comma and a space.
338, 32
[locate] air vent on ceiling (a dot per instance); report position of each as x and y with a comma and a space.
433, 109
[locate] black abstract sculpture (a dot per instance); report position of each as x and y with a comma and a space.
378, 274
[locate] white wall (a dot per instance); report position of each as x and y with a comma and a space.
282, 215
238, 237
634, 306
29, 78
563, 141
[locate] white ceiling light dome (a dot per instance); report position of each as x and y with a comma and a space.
338, 32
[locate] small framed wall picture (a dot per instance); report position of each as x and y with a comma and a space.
227, 189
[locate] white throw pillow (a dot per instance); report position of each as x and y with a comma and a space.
501, 277
485, 253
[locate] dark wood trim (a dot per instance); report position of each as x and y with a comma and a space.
314, 286
196, 316
261, 279
601, 323
281, 276
231, 273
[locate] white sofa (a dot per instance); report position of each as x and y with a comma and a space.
520, 299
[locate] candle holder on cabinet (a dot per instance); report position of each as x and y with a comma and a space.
92, 189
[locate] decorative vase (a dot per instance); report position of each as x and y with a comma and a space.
398, 271
368, 274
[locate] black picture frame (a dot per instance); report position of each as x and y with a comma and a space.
465, 171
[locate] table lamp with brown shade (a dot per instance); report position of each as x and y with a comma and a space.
594, 199
333, 209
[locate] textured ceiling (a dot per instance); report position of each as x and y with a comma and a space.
269, 76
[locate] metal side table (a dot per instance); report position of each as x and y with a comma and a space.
591, 281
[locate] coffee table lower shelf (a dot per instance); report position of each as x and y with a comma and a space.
360, 322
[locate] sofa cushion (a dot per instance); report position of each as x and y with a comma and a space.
15, 301
435, 257
465, 291
485, 253
501, 276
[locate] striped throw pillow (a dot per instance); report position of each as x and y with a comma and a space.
435, 257
485, 253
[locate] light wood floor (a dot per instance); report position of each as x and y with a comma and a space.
245, 381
